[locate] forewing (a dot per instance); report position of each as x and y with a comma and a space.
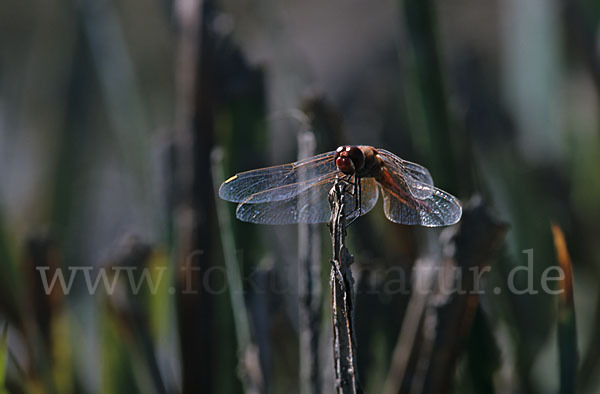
308, 206
278, 183
416, 177
439, 209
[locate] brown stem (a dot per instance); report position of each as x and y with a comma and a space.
192, 201
342, 297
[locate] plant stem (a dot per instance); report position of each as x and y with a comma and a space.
249, 369
567, 327
342, 297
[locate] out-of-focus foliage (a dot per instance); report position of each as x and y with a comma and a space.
3, 359
499, 99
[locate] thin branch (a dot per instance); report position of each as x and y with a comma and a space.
424, 272
342, 295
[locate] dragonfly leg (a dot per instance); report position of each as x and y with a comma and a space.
352, 188
359, 192
356, 192
347, 187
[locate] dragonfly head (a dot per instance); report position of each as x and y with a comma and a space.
349, 159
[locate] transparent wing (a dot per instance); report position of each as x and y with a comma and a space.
308, 206
438, 209
369, 194
416, 177
278, 183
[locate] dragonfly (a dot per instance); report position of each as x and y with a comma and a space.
298, 192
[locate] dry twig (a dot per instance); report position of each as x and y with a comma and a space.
342, 295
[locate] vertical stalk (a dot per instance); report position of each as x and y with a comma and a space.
342, 296
567, 327
193, 205
249, 366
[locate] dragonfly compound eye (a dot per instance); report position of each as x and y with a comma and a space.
349, 159
357, 157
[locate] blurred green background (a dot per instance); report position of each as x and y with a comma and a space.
110, 113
